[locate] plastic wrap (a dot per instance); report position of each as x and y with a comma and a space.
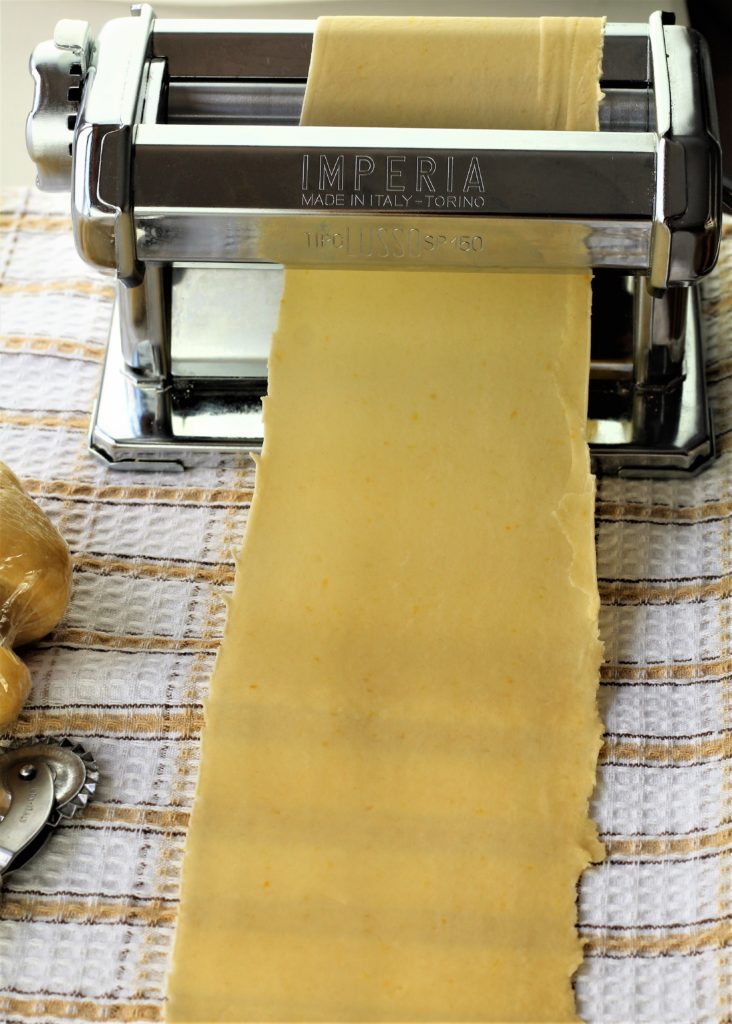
35, 582
15, 684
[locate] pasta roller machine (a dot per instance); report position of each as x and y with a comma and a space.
193, 183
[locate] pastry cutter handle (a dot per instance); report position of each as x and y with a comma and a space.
30, 788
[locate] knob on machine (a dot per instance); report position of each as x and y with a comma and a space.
58, 67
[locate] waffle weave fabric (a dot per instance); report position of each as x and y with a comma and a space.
86, 929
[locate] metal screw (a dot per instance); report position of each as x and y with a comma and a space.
27, 771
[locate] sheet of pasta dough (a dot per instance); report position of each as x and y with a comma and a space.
402, 732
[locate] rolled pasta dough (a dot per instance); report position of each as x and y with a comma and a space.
402, 730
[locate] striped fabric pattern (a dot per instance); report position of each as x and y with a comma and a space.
86, 929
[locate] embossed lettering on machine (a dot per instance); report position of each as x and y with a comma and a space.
393, 181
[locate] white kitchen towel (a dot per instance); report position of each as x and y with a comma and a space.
86, 929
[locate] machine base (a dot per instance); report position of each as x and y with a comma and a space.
139, 426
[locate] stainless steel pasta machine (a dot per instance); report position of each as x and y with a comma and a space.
193, 183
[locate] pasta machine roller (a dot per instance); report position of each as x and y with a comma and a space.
193, 183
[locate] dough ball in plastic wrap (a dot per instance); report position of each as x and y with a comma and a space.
35, 567
15, 684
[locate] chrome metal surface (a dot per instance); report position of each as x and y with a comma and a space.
164, 428
661, 236
696, 212
651, 433
273, 49
687, 208
27, 803
659, 433
121, 50
451, 172
101, 204
659, 337
227, 101
223, 319
144, 325
40, 784
72, 768
58, 68
313, 239
154, 93
223, 48
251, 101
79, 785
